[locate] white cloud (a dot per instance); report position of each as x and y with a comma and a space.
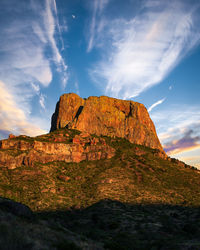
96, 22
25, 41
42, 101
30, 38
35, 87
39, 32
12, 118
41, 96
173, 121
156, 104
174, 124
64, 80
58, 26
50, 22
139, 52
178, 128
190, 156
77, 87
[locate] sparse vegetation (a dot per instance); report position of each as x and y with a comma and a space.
134, 200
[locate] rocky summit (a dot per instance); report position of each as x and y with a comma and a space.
106, 116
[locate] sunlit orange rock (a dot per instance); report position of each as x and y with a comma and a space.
106, 116
11, 136
16, 152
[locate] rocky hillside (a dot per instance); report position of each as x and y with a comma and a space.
67, 146
96, 187
132, 200
70, 168
106, 116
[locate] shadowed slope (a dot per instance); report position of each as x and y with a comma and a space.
106, 224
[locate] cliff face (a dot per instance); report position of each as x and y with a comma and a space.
62, 146
106, 116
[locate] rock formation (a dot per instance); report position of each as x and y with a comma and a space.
93, 117
23, 150
106, 116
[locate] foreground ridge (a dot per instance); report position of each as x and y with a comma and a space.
107, 224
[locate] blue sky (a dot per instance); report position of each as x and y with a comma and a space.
143, 50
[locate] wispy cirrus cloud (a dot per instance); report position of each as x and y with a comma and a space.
42, 101
156, 104
30, 41
140, 51
46, 30
97, 24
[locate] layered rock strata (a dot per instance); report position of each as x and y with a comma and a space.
106, 116
15, 152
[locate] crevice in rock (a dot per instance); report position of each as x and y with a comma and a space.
78, 112
69, 125
130, 112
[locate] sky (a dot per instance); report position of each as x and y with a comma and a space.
147, 51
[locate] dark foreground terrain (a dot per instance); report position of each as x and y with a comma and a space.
106, 224
137, 199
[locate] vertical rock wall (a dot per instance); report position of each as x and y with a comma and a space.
106, 116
